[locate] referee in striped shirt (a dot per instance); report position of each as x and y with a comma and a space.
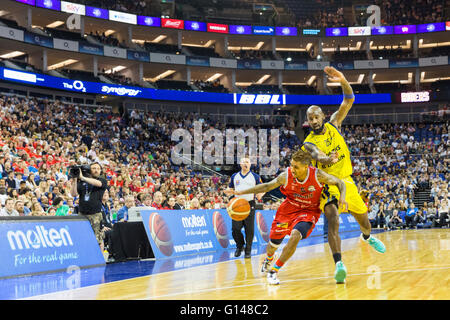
243, 180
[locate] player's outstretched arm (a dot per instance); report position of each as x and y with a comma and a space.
319, 155
260, 188
329, 179
336, 76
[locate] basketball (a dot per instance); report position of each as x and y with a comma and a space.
238, 209
161, 234
220, 229
262, 226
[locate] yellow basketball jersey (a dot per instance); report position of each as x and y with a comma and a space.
332, 141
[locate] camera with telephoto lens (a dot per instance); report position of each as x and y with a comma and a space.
74, 171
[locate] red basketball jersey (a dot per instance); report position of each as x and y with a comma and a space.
303, 195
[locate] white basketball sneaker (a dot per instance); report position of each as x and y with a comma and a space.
272, 278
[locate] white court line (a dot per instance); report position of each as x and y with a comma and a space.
287, 281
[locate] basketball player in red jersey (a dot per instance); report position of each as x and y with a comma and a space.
302, 185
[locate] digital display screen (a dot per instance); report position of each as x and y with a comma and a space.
195, 26
236, 29
336, 32
149, 21
97, 13
423, 96
286, 31
219, 28
382, 30
172, 23
49, 4
263, 30
313, 32
405, 29
431, 27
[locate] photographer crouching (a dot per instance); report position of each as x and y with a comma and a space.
89, 186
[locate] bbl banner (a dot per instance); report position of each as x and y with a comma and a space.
34, 246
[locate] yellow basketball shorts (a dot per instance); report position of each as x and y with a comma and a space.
354, 200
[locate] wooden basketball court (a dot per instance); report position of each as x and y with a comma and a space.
416, 265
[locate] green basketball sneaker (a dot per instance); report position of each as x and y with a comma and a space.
375, 243
340, 273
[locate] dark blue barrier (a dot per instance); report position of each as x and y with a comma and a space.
30, 246
185, 232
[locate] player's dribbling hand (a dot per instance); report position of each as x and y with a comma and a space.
230, 192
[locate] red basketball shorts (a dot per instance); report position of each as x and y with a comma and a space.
287, 216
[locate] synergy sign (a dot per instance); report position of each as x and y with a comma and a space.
32, 246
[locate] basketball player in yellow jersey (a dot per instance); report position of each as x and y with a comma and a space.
327, 147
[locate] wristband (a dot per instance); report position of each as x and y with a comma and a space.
349, 96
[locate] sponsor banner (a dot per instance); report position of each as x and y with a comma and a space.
359, 31
172, 23
195, 26
188, 232
167, 58
65, 45
91, 48
312, 32
35, 246
70, 7
219, 28
268, 31
286, 31
407, 97
49, 4
433, 61
237, 29
405, 29
345, 65
403, 63
336, 32
97, 13
122, 17
115, 52
447, 26
272, 64
317, 65
13, 34
249, 64
43, 80
30, 2
259, 99
382, 30
138, 55
431, 27
223, 63
38, 39
295, 65
371, 64
149, 21
197, 61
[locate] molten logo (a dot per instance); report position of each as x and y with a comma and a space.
193, 221
39, 237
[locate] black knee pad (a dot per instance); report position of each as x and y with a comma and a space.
303, 227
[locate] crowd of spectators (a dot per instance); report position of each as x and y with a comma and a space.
394, 162
41, 138
210, 86
398, 12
